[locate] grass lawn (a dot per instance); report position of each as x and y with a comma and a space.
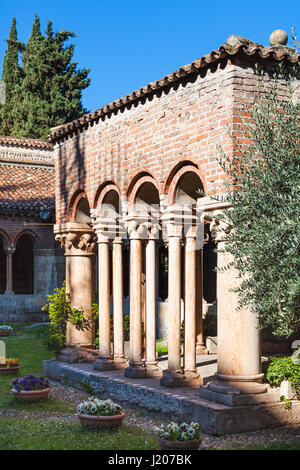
16, 434
31, 433
51, 424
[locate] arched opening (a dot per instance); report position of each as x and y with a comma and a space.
147, 198
209, 266
3, 268
188, 189
23, 266
82, 212
111, 208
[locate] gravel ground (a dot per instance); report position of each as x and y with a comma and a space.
70, 396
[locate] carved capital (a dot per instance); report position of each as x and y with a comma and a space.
218, 226
76, 239
10, 250
108, 229
142, 227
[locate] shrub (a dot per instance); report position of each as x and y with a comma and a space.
126, 323
60, 313
284, 368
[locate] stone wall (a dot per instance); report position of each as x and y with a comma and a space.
49, 272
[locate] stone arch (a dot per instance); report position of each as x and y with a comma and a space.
79, 208
5, 237
30, 233
143, 191
183, 183
108, 194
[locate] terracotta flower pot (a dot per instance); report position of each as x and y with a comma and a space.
5, 333
179, 445
32, 395
101, 421
9, 370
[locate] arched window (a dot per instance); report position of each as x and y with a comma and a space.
23, 266
2, 267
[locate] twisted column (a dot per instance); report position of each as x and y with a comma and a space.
78, 242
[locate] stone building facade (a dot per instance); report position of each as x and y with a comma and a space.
134, 187
31, 262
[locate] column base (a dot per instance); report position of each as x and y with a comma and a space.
201, 349
174, 379
119, 362
104, 363
135, 371
77, 353
239, 392
152, 370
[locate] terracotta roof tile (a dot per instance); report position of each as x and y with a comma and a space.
29, 189
248, 49
24, 142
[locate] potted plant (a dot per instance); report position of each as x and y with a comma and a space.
30, 388
9, 366
5, 330
180, 437
100, 413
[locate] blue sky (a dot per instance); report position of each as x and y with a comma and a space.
128, 43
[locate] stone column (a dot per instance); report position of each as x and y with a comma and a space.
190, 299
239, 355
137, 233
152, 369
9, 271
104, 361
173, 376
119, 360
78, 242
200, 345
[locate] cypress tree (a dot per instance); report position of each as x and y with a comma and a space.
12, 75
51, 91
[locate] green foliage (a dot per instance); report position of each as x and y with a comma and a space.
263, 190
49, 86
126, 323
12, 75
287, 402
60, 313
284, 368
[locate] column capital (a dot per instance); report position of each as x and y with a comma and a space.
183, 221
109, 229
218, 226
10, 250
75, 239
142, 227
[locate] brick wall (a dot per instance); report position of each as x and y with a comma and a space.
183, 123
